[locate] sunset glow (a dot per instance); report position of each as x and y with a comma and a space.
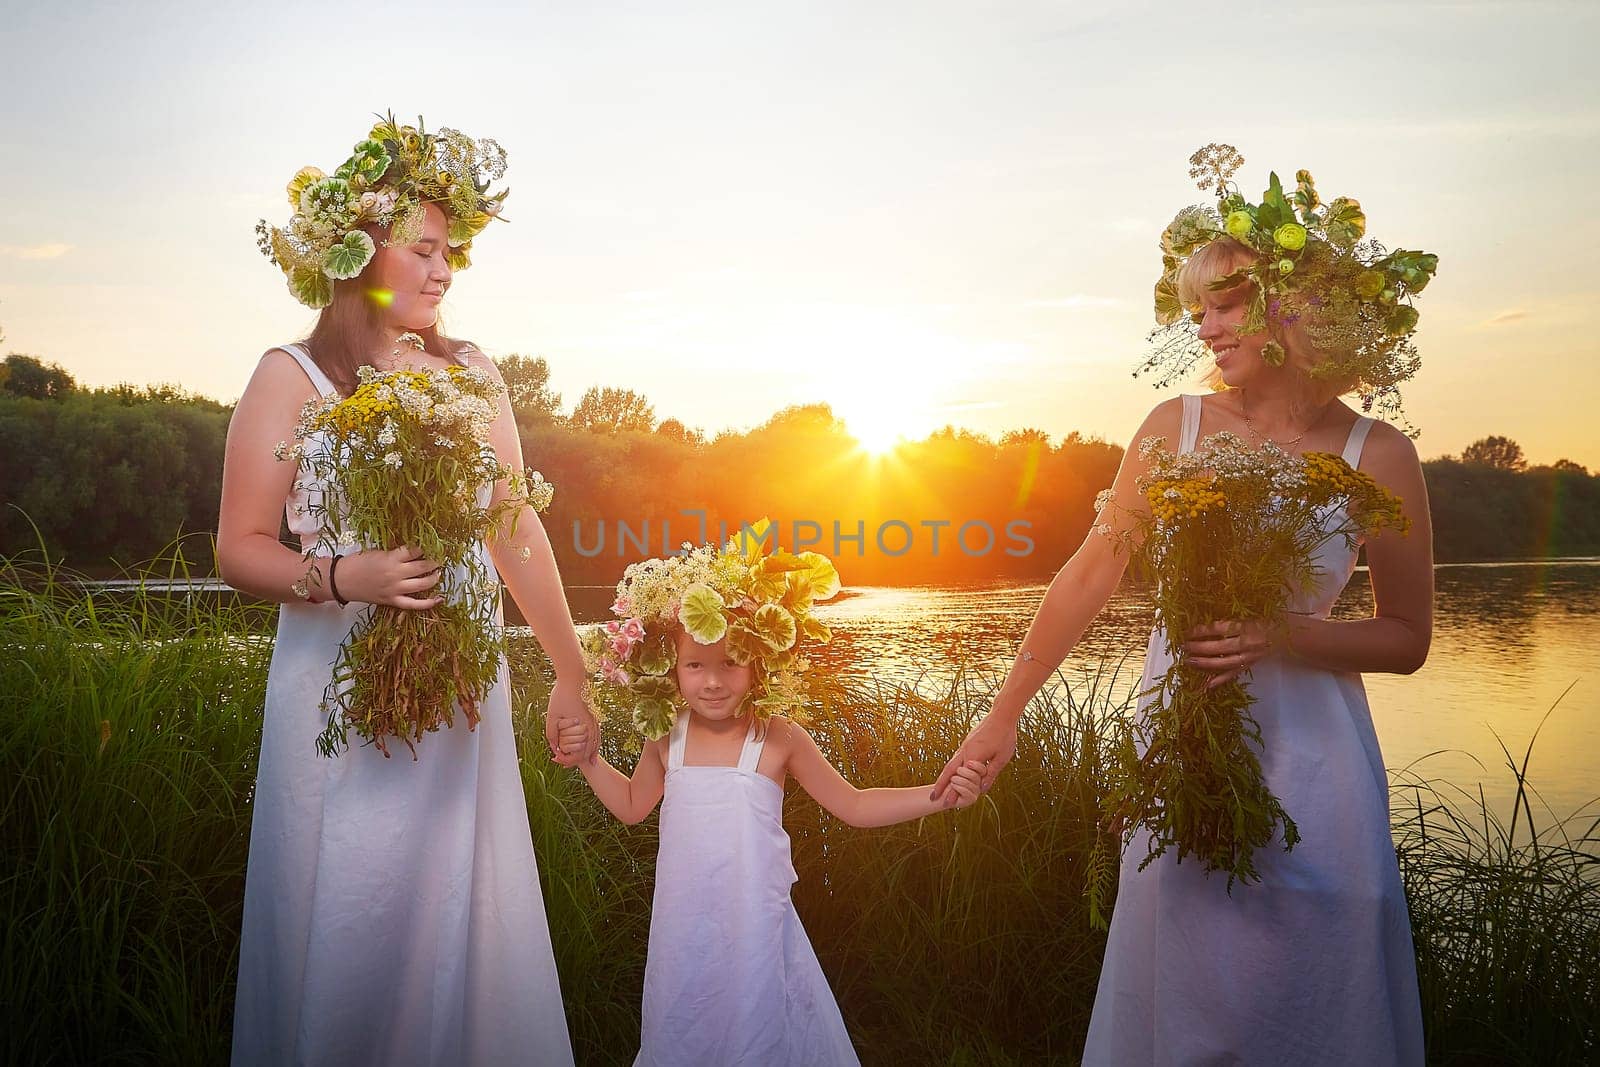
921, 217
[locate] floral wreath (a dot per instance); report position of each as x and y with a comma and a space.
387, 179
761, 602
1310, 261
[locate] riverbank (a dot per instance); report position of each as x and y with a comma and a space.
129, 745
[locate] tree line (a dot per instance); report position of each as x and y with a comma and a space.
108, 477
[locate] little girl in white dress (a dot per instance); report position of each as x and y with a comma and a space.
731, 977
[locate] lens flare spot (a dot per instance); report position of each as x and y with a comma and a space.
381, 297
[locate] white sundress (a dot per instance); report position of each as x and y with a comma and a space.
1313, 965
731, 977
392, 910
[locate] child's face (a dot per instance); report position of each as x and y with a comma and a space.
712, 684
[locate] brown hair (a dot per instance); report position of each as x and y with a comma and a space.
349, 331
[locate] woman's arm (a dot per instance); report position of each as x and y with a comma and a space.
1076, 595
255, 483
865, 807
1396, 639
629, 799
527, 565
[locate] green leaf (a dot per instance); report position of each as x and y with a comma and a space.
815, 630
367, 163
797, 596
1344, 223
311, 287
1305, 193
658, 653
347, 258
767, 584
751, 540
774, 626
822, 575
463, 228
459, 258
1169, 309
303, 178
744, 645
1402, 319
1415, 269
654, 717
701, 613
778, 661
654, 685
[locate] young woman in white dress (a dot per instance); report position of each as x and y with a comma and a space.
1314, 964
392, 910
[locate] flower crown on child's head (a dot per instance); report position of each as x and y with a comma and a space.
1309, 260
387, 180
761, 602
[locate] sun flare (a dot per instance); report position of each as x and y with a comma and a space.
887, 376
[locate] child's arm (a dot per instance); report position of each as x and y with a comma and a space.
629, 799
869, 807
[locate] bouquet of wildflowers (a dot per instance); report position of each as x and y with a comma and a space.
761, 602
406, 460
1231, 533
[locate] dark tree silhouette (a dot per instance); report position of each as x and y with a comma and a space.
1501, 453
28, 376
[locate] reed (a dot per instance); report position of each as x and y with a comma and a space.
127, 759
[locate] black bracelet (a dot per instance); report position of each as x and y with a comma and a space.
333, 586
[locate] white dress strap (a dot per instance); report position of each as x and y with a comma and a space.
1358, 438
320, 381
1190, 433
676, 739
750, 754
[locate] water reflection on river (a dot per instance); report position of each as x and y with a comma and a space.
1509, 639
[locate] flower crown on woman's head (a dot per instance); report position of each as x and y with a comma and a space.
1308, 261
387, 179
761, 602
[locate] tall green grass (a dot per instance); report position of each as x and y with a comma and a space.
1506, 919
128, 730
129, 725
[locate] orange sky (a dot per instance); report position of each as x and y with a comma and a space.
921, 214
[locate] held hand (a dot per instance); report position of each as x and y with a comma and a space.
1229, 647
566, 702
990, 745
965, 786
396, 578
572, 735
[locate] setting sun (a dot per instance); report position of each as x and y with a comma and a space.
888, 376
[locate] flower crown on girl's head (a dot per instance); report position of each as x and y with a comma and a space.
387, 180
761, 602
1309, 261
